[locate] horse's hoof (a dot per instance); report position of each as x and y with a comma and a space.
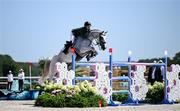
88, 58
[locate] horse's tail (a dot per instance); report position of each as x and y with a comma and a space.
45, 72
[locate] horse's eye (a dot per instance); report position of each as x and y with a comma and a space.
102, 39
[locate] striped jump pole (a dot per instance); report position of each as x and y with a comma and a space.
73, 63
110, 70
165, 101
130, 100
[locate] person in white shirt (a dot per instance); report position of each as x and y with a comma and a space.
21, 79
10, 80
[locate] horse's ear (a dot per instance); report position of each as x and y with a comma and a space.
104, 32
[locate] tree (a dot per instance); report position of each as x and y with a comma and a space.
176, 58
6, 64
1, 64
41, 65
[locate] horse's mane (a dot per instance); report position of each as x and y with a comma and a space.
96, 30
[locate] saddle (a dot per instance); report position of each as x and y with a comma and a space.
69, 44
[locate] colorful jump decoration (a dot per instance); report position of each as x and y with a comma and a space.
102, 81
137, 83
173, 86
63, 76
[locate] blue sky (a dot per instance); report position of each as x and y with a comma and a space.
35, 29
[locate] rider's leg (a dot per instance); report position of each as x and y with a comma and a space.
67, 46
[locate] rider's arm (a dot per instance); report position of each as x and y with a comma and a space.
77, 32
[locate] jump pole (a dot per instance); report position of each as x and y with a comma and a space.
110, 71
165, 101
73, 63
130, 100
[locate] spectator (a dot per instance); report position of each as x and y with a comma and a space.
156, 73
21, 79
161, 71
10, 80
151, 74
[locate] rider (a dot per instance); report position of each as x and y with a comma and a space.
80, 32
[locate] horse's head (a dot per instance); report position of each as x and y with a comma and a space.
102, 40
99, 37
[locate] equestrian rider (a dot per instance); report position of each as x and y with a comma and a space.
79, 32
82, 31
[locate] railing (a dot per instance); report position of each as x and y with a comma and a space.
3, 80
36, 77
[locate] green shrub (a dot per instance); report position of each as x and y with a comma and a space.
48, 100
80, 95
62, 100
84, 86
77, 101
26, 87
86, 94
120, 97
178, 101
155, 93
40, 100
94, 101
59, 101
37, 86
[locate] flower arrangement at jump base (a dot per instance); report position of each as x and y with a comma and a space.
80, 95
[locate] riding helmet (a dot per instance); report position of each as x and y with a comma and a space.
87, 23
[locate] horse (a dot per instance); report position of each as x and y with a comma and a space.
83, 47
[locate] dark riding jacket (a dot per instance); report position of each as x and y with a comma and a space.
80, 32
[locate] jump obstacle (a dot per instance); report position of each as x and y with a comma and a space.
137, 87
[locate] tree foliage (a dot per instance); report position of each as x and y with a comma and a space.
174, 60
7, 63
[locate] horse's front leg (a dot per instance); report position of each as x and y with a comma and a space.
91, 54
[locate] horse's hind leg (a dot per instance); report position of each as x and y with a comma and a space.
78, 58
52, 68
69, 66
